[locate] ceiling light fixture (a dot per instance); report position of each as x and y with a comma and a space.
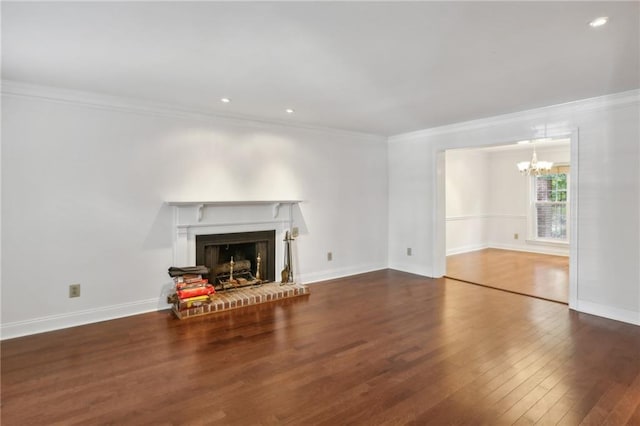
598, 22
290, 110
534, 167
225, 100
523, 142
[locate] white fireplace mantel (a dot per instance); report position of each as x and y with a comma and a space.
276, 204
192, 218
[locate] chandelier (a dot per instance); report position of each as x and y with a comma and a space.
534, 167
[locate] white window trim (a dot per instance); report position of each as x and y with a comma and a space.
531, 216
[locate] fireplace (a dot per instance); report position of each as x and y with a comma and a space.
217, 251
222, 223
210, 232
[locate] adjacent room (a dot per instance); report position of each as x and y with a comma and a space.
312, 213
510, 229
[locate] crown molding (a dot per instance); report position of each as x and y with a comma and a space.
139, 106
606, 102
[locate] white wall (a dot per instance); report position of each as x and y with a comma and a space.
509, 200
605, 154
467, 182
85, 180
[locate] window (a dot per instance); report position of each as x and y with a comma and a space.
550, 205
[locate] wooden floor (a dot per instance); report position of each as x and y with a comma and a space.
381, 348
532, 274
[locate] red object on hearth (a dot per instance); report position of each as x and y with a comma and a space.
192, 292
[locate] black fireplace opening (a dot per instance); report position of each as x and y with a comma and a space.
215, 251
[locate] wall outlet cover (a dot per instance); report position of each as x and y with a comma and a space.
74, 290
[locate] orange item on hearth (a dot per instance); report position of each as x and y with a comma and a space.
193, 292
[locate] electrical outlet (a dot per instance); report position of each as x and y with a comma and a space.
74, 290
409, 251
295, 231
329, 256
516, 236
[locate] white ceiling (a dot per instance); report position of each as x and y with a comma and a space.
382, 68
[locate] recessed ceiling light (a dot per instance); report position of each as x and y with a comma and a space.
523, 142
225, 100
290, 110
598, 22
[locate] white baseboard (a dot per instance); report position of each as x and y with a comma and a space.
531, 249
466, 249
57, 322
556, 251
618, 314
312, 277
413, 269
73, 319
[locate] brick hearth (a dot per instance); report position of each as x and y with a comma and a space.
232, 299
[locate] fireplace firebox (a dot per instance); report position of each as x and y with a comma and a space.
216, 251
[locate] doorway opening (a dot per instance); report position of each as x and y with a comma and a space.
507, 229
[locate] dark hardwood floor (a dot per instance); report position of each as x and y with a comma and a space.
538, 275
379, 348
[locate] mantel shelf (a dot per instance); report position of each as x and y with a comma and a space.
231, 203
202, 204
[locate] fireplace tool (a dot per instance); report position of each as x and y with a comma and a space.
287, 272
